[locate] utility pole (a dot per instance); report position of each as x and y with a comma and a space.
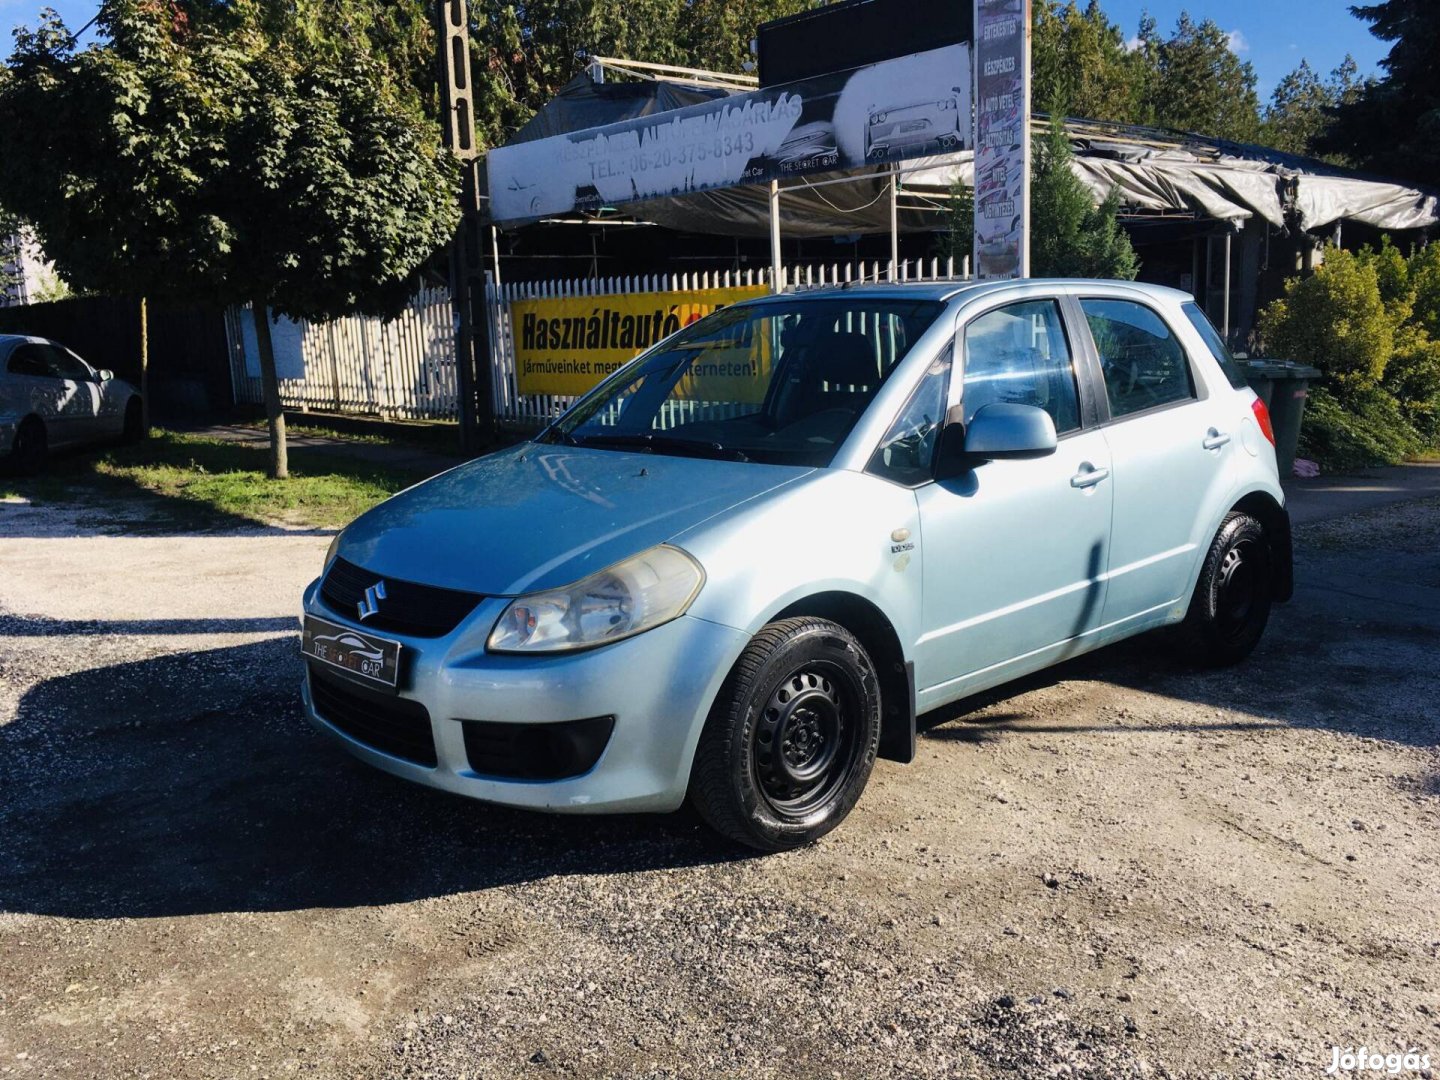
467, 259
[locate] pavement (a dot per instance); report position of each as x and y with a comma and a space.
1335, 496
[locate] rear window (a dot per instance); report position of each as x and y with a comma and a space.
1216, 344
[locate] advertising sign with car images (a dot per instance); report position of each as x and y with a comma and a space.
1002, 138
908, 107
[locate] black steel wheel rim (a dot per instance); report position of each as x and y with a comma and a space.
1238, 596
805, 740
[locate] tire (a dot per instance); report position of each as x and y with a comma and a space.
791, 739
31, 448
134, 429
1233, 597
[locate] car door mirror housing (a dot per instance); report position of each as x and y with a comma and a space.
104, 375
1010, 430
996, 432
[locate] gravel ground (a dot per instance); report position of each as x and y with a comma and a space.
1120, 868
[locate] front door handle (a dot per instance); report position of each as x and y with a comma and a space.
1215, 440
1088, 476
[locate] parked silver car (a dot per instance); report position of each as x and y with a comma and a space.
741, 567
51, 398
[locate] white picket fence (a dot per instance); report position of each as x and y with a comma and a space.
405, 369
402, 369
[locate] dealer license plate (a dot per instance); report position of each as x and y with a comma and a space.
374, 659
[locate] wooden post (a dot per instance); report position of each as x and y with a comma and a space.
270, 383
144, 367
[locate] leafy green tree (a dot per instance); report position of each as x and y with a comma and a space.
1302, 106
1200, 85
1081, 63
1069, 235
957, 240
1392, 126
224, 161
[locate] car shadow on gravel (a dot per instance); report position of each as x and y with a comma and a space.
1370, 678
121, 800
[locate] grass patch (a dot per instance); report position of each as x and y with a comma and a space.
436, 437
206, 482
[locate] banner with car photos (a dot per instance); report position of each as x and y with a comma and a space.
1002, 138
565, 346
912, 106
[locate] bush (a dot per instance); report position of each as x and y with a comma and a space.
1334, 319
1367, 429
1425, 285
1413, 377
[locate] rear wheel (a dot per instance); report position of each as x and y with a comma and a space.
134, 430
1232, 600
792, 738
31, 448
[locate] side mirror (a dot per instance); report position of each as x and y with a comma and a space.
996, 432
105, 375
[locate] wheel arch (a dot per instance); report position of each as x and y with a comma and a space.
896, 674
1266, 509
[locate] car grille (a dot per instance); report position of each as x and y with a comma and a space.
391, 725
536, 751
413, 610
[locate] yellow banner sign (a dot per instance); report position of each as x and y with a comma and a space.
565, 346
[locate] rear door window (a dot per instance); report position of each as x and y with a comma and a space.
28, 359
1144, 363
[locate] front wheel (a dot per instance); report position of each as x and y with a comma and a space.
1233, 597
792, 737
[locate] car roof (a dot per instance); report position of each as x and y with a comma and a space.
952, 290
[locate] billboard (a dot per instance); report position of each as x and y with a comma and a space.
1002, 138
564, 346
911, 106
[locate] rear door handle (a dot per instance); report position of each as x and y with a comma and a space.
1215, 440
1088, 476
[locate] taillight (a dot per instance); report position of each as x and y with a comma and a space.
1262, 417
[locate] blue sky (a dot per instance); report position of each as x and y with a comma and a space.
1272, 34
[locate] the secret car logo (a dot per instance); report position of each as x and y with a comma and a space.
370, 604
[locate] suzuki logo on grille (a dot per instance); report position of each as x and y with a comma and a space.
370, 605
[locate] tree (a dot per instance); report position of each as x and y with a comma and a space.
1082, 64
224, 162
1200, 85
1392, 126
1070, 235
1301, 108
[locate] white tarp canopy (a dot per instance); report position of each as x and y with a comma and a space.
1156, 171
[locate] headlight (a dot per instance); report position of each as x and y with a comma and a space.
330, 551
627, 599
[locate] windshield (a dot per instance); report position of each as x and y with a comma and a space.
782, 383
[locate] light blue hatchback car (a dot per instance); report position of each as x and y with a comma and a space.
739, 568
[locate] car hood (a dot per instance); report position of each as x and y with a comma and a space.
538, 516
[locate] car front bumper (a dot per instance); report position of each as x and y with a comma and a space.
657, 685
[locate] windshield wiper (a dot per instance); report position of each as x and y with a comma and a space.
663, 443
